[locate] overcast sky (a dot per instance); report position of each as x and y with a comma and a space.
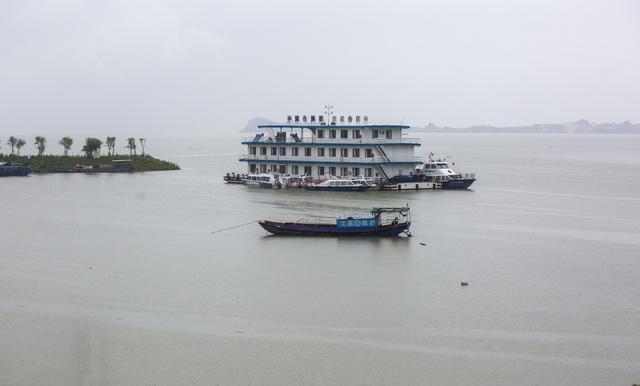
201, 67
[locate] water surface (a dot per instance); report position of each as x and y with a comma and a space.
117, 279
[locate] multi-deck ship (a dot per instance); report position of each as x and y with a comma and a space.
314, 150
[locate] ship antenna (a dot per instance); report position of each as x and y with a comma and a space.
328, 110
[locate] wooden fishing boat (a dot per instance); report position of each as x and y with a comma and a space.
381, 222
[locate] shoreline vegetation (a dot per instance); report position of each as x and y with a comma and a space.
47, 163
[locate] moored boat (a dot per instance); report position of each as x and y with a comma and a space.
380, 222
115, 166
13, 170
340, 185
263, 180
431, 174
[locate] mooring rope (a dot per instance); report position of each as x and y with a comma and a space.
234, 227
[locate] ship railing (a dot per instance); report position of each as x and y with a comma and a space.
302, 158
329, 141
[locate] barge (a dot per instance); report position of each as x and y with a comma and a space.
380, 222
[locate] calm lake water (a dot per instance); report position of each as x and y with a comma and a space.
117, 279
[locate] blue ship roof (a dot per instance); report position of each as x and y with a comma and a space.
290, 126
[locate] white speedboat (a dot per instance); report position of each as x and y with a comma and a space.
340, 185
431, 174
263, 180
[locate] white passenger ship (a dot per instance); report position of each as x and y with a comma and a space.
343, 147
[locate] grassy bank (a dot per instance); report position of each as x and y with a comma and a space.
46, 163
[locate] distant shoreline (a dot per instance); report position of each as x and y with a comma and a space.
579, 127
463, 131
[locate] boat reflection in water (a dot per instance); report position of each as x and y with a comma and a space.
380, 222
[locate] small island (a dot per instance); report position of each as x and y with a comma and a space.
90, 161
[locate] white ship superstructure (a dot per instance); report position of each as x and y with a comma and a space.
336, 146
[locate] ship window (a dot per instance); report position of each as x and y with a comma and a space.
356, 172
356, 134
442, 166
252, 150
294, 169
321, 170
332, 170
344, 152
344, 133
368, 153
307, 170
294, 151
389, 134
252, 168
274, 151
320, 133
263, 150
355, 152
374, 133
332, 134
368, 172
307, 152
283, 151
321, 152
332, 152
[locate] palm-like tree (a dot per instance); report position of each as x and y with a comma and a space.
19, 144
92, 147
143, 141
66, 143
131, 145
13, 141
41, 143
111, 145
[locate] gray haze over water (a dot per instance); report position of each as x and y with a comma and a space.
116, 279
194, 67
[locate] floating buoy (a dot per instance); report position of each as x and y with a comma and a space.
464, 283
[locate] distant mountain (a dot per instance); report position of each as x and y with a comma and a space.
580, 126
252, 125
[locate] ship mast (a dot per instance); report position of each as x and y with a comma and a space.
328, 110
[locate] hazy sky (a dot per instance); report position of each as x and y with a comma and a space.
198, 67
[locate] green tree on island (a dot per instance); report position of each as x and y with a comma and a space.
41, 143
92, 147
66, 143
19, 144
111, 145
13, 141
143, 141
131, 145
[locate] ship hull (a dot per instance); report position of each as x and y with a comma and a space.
328, 230
358, 188
14, 171
458, 184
